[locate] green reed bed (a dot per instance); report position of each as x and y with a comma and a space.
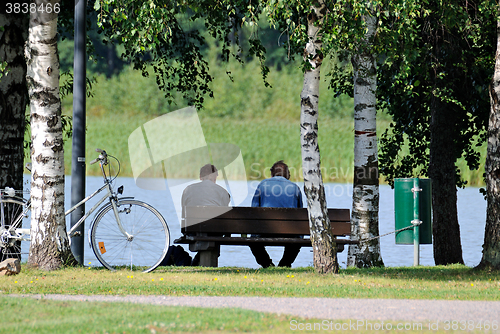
262, 142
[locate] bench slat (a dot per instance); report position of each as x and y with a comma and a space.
248, 241
244, 213
239, 241
262, 227
242, 220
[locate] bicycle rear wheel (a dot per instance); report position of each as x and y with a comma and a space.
143, 250
13, 214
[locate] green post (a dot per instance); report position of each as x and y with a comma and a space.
416, 221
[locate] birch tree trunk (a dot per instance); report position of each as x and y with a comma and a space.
49, 247
365, 197
323, 243
13, 99
491, 246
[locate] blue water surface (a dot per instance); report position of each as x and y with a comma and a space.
471, 208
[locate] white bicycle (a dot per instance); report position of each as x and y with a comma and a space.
125, 233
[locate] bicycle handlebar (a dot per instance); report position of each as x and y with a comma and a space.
103, 156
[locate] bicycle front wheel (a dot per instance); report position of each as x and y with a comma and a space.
13, 214
140, 243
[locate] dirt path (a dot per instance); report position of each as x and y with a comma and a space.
324, 308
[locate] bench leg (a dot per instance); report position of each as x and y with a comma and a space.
208, 251
209, 258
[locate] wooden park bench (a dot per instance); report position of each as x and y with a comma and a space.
205, 228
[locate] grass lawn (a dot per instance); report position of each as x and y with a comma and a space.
440, 282
26, 315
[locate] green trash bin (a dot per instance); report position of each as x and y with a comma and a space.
403, 208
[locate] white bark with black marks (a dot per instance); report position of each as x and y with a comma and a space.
323, 243
365, 203
49, 247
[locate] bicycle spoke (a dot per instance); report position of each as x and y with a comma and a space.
13, 212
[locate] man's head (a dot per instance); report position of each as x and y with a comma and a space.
280, 169
208, 172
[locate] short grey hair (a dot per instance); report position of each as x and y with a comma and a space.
207, 170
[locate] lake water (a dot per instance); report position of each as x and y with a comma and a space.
471, 208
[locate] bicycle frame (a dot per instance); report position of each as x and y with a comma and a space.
21, 232
109, 194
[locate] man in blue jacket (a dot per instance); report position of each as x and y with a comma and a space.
277, 192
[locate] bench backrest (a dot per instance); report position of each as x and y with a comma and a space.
249, 220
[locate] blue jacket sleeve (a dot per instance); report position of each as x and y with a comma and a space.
256, 197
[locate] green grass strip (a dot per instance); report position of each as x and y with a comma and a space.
26, 315
440, 282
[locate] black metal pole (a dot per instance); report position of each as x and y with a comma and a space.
79, 105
